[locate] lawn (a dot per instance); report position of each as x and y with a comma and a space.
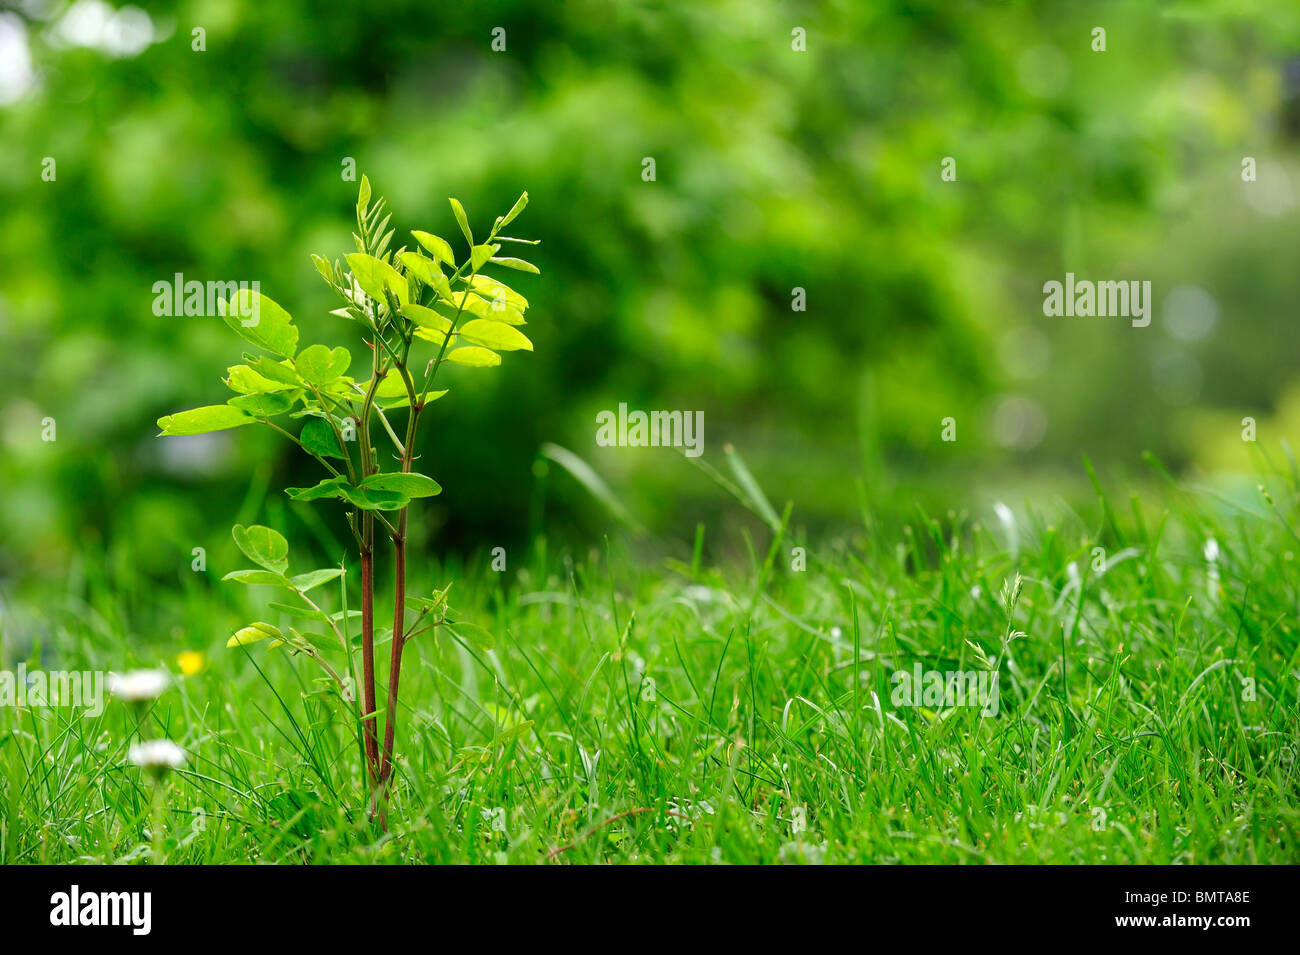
638, 707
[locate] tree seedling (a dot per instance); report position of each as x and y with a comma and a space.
417, 309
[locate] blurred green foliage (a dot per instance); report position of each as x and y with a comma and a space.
775, 169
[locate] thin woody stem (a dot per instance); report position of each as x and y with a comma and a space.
370, 723
368, 646
399, 585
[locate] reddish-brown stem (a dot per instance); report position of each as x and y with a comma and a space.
368, 649
395, 661
399, 595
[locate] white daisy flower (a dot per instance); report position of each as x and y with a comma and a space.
139, 684
1007, 518
1212, 567
157, 754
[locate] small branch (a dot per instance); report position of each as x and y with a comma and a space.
294, 438
397, 443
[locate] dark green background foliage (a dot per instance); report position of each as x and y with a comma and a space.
775, 169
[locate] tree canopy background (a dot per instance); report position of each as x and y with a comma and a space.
776, 169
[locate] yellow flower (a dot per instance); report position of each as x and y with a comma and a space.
190, 662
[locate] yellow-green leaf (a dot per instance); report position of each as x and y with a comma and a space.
202, 420
461, 219
424, 269
261, 321
410, 484
263, 405
390, 386
246, 381
497, 310
519, 265
426, 317
496, 335
429, 335
439, 248
314, 578
320, 365
479, 255
281, 371
263, 578
493, 289
473, 356
253, 633
263, 546
364, 498
405, 400
373, 275
517, 208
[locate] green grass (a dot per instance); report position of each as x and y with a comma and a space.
771, 702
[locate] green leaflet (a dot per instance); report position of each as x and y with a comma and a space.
328, 488
263, 578
319, 438
246, 381
426, 270
491, 289
373, 275
472, 356
263, 546
202, 420
366, 499
520, 204
496, 335
314, 578
391, 393
320, 365
429, 335
519, 265
479, 255
253, 633
374, 500
281, 371
439, 248
264, 405
261, 321
302, 613
323, 267
497, 310
462, 220
426, 317
390, 386
405, 401
409, 484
